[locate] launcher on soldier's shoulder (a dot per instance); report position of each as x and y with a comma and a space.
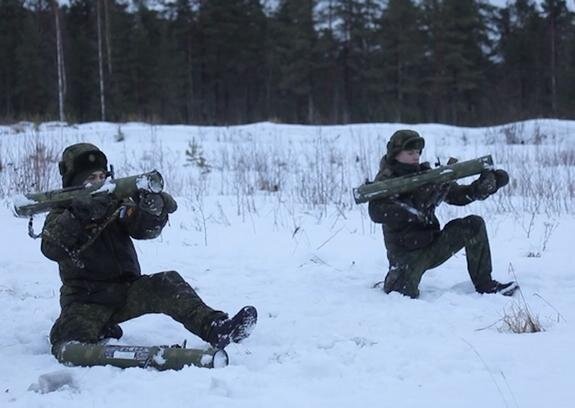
403, 184
121, 188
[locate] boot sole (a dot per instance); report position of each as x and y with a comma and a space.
510, 290
245, 329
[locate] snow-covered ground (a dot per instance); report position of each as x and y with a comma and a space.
325, 337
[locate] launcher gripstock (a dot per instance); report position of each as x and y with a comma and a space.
121, 188
443, 174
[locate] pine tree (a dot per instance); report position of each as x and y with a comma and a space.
12, 16
457, 43
328, 75
36, 63
119, 25
403, 57
82, 65
295, 60
231, 37
521, 70
145, 66
61, 67
181, 80
559, 25
356, 26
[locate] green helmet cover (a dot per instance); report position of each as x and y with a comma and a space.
79, 161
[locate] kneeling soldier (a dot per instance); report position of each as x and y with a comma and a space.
414, 240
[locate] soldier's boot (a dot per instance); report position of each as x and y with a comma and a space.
236, 329
397, 280
393, 280
506, 289
111, 331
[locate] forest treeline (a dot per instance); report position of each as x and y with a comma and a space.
223, 62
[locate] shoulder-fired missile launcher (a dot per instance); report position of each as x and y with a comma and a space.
443, 174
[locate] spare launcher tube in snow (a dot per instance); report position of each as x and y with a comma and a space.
158, 357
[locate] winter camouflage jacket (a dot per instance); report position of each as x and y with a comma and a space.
103, 270
408, 219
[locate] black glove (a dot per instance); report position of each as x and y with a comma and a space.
156, 203
501, 178
170, 205
92, 209
152, 203
485, 185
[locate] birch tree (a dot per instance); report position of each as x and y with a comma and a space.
60, 62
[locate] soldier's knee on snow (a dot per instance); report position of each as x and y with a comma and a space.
172, 275
474, 223
56, 349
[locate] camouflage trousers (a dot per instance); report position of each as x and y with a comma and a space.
165, 292
406, 269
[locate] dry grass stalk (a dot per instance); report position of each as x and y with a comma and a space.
518, 319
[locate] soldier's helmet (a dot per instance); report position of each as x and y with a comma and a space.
79, 161
404, 139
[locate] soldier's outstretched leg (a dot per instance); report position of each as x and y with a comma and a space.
235, 329
168, 293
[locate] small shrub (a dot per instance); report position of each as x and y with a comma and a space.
195, 156
265, 184
519, 319
274, 119
22, 127
120, 136
538, 136
566, 157
40, 161
513, 134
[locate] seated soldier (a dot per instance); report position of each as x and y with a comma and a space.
413, 238
102, 285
